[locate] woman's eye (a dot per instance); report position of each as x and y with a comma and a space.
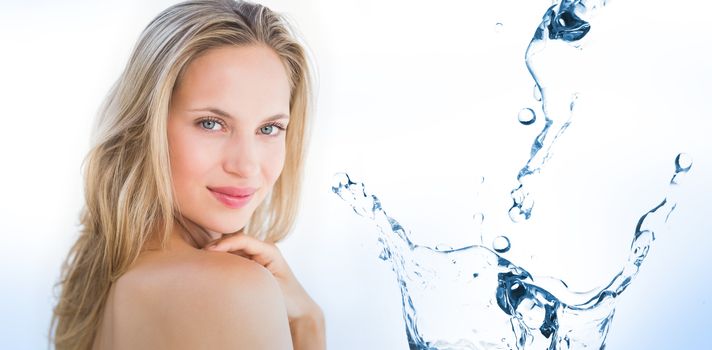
211, 124
268, 129
272, 129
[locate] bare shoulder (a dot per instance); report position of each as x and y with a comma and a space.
196, 300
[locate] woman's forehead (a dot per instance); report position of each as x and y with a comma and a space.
236, 80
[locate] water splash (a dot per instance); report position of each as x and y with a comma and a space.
498, 304
537, 93
552, 59
683, 163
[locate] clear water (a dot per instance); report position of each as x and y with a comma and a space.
551, 61
474, 298
497, 304
527, 116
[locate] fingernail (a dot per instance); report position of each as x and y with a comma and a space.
212, 246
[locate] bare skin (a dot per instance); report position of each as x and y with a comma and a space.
240, 294
306, 320
187, 298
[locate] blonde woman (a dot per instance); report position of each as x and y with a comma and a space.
193, 175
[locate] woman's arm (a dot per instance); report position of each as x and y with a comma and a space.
309, 331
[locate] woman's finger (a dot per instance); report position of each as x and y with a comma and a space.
261, 252
239, 241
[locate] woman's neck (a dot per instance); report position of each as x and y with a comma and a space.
195, 235
183, 235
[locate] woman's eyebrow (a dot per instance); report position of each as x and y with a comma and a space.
222, 113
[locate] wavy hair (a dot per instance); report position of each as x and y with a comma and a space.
127, 182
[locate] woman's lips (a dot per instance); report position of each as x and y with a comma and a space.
234, 191
230, 200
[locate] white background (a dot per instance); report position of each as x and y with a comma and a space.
416, 99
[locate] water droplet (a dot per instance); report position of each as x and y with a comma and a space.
537, 93
516, 214
498, 27
527, 116
385, 255
501, 244
479, 218
683, 163
574, 98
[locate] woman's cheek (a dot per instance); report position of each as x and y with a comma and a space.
191, 159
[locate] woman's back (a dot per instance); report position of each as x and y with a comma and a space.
186, 298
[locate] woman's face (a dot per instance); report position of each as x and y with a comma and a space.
225, 134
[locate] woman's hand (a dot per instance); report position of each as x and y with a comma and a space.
301, 309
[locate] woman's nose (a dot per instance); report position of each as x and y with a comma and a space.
242, 157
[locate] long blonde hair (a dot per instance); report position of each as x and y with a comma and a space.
127, 180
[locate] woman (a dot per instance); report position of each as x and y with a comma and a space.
193, 175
